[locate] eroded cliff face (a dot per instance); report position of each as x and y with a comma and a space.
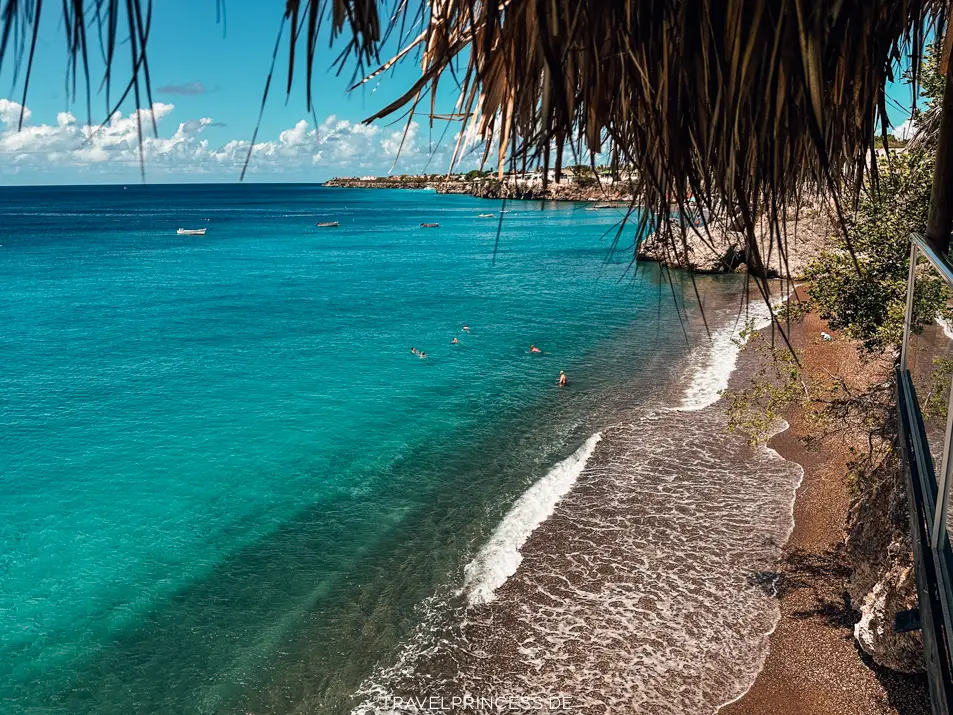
720, 247
882, 581
491, 189
554, 192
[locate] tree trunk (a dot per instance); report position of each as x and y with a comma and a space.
940, 222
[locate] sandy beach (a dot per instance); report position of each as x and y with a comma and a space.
814, 666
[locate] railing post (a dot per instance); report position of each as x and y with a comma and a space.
908, 319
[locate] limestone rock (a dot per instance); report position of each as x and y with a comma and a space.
719, 247
882, 581
894, 592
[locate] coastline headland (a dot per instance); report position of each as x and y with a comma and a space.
717, 247
516, 187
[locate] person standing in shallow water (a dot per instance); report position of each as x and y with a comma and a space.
563, 380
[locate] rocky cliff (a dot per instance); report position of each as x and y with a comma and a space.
553, 192
882, 581
720, 248
493, 189
381, 183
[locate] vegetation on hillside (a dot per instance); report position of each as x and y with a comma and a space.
866, 305
862, 294
869, 304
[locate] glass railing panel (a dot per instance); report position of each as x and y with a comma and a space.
930, 361
928, 353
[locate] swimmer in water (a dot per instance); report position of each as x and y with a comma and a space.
563, 380
413, 351
454, 341
466, 327
534, 349
422, 355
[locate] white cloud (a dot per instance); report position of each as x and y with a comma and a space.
334, 147
10, 112
904, 130
396, 142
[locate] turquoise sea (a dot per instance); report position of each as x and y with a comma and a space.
226, 483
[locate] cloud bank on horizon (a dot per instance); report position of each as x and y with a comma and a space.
904, 130
74, 151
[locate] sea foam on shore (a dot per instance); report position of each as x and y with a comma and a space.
500, 557
713, 362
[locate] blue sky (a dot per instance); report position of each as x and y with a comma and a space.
207, 81
209, 76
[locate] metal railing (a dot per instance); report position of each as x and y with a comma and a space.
919, 246
928, 492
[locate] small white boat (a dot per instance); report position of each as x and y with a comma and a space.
430, 225
328, 224
485, 216
191, 231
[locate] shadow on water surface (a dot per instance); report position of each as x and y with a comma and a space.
301, 617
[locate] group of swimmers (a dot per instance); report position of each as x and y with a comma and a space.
563, 380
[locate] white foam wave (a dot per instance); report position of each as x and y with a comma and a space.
945, 324
500, 557
782, 426
716, 360
667, 563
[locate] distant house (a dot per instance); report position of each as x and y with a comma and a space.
368, 178
566, 178
518, 178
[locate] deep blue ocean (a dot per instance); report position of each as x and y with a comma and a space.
226, 483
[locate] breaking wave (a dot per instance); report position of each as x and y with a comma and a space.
714, 362
501, 556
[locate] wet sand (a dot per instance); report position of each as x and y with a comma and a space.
814, 666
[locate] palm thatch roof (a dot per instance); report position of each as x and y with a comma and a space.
739, 105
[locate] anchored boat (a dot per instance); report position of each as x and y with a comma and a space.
328, 224
191, 231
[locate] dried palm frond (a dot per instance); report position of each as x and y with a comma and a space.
927, 129
739, 104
